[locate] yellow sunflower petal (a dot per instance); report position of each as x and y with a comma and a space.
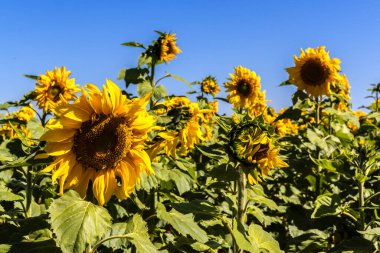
104, 185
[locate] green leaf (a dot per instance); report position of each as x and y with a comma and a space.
144, 59
120, 228
195, 207
183, 223
224, 172
290, 113
181, 80
326, 205
35, 128
31, 76
133, 44
134, 231
77, 223
212, 153
140, 236
241, 240
182, 180
144, 89
343, 132
262, 239
135, 75
284, 83
159, 92
9, 196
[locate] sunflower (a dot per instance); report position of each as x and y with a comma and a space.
259, 105
99, 138
253, 147
244, 88
315, 71
210, 86
208, 122
14, 128
26, 113
54, 88
167, 47
282, 126
186, 128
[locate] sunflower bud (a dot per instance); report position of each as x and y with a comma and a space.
210, 86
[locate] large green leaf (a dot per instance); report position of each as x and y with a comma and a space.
183, 223
241, 240
262, 239
77, 223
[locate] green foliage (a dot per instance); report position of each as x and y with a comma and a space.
77, 223
183, 223
198, 200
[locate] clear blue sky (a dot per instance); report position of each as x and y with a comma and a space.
214, 36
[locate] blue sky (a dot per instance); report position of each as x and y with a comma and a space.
214, 36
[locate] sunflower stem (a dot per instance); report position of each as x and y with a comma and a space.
43, 119
151, 102
242, 198
318, 176
317, 111
330, 116
241, 184
361, 205
28, 192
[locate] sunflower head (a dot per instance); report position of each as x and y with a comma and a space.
253, 147
55, 88
99, 138
167, 47
16, 126
315, 71
210, 86
243, 87
248, 142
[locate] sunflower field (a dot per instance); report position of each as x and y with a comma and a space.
137, 169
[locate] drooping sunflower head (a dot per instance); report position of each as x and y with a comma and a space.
168, 48
210, 86
252, 146
54, 88
314, 71
244, 87
99, 138
248, 142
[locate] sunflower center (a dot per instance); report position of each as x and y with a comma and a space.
102, 142
54, 93
314, 73
243, 88
262, 153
